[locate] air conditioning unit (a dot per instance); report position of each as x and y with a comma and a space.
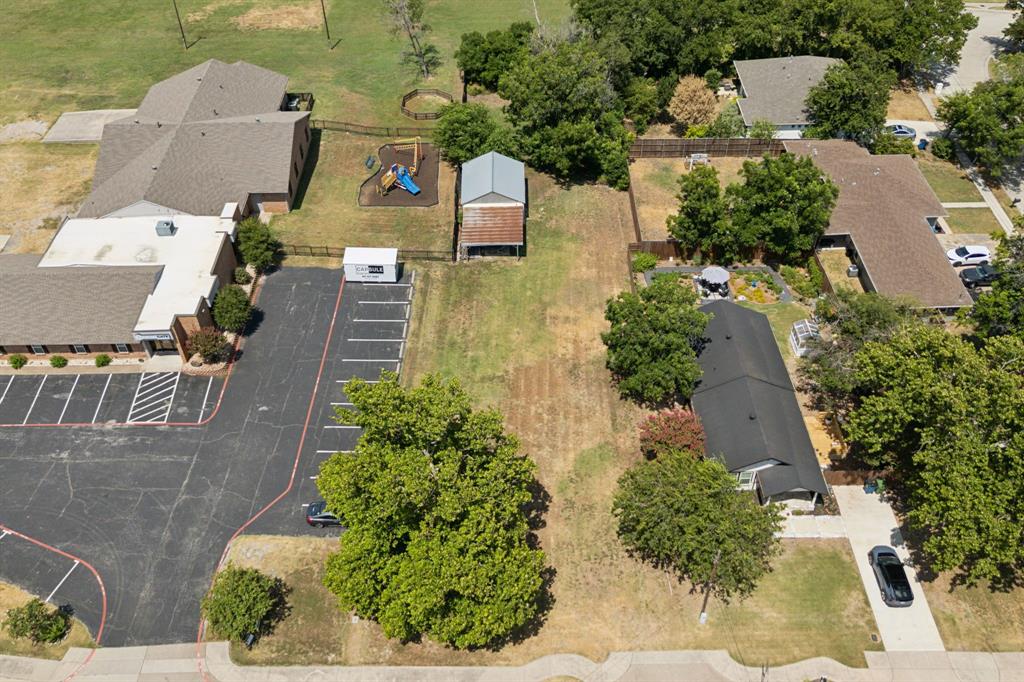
165, 228
852, 270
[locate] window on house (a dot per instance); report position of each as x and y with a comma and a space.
121, 347
745, 480
38, 350
79, 348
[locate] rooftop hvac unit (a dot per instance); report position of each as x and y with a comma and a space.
165, 228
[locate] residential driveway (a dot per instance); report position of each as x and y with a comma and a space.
84, 126
869, 522
926, 129
982, 44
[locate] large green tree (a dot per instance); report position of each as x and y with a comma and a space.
683, 513
562, 102
434, 499
784, 203
949, 418
483, 58
1000, 310
653, 340
988, 122
854, 319
850, 101
703, 218
465, 131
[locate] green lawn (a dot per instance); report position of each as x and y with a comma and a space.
972, 221
948, 181
781, 316
59, 56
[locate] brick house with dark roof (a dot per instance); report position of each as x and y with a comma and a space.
214, 134
885, 218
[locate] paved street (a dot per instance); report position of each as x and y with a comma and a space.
152, 507
983, 42
869, 522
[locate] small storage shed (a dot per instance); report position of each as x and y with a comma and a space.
370, 265
493, 201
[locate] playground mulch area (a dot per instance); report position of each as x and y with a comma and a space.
425, 178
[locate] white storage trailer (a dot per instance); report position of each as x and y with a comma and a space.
370, 265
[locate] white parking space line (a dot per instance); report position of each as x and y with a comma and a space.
71, 393
73, 567
370, 319
345, 381
6, 388
206, 395
378, 340
371, 360
343, 426
4, 534
344, 404
32, 406
331, 452
96, 414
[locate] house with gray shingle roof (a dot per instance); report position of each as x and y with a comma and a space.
775, 89
212, 135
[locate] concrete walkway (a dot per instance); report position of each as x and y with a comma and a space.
964, 204
812, 526
178, 663
869, 521
84, 126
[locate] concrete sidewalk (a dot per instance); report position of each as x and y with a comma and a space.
178, 663
869, 521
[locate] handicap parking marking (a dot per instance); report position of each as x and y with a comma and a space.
154, 397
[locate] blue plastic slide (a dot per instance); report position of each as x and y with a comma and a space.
405, 180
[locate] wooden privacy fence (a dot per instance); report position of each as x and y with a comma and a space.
339, 251
421, 92
668, 248
377, 131
675, 148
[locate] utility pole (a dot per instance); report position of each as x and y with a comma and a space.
181, 27
707, 588
327, 29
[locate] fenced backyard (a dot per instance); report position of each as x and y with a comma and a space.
326, 251
674, 148
424, 93
374, 131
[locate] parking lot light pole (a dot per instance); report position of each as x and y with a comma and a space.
707, 588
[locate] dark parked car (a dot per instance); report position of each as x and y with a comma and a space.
317, 515
979, 276
891, 577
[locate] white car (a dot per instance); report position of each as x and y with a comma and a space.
969, 255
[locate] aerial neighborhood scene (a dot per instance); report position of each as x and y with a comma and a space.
512, 340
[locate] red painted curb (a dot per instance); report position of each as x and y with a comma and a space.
291, 480
95, 573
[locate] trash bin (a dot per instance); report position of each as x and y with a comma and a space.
922, 144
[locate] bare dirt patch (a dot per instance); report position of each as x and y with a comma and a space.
40, 185
22, 131
302, 16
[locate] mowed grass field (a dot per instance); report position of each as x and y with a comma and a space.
58, 56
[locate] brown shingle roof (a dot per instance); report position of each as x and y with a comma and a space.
491, 225
883, 205
67, 305
195, 145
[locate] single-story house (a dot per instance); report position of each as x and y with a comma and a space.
775, 90
749, 410
885, 217
128, 285
215, 134
492, 196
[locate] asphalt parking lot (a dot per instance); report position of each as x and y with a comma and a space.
78, 399
369, 337
152, 507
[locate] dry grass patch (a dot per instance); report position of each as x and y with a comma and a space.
905, 105
656, 186
305, 15
977, 618
834, 263
11, 596
41, 184
210, 8
327, 211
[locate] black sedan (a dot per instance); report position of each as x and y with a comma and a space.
891, 577
318, 516
979, 276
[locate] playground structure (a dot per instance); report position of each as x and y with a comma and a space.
400, 175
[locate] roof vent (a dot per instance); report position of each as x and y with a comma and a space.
728, 336
165, 228
752, 416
